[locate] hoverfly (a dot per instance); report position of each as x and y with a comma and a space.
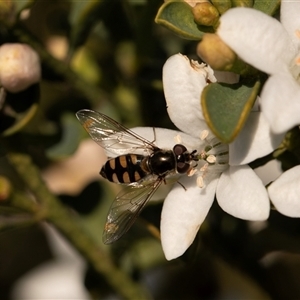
137, 163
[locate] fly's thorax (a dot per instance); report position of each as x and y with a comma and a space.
161, 162
124, 169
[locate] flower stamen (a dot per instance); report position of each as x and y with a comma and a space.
200, 182
213, 159
204, 168
178, 139
204, 135
191, 172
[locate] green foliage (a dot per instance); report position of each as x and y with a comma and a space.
178, 17
226, 107
242, 3
108, 56
72, 134
83, 17
19, 6
21, 120
222, 5
268, 7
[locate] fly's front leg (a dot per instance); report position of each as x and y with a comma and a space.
154, 135
153, 142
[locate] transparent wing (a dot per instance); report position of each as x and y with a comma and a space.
111, 135
126, 208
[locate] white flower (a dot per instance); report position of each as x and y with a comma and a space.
272, 47
19, 67
238, 189
284, 192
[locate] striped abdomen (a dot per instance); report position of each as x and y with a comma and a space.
124, 169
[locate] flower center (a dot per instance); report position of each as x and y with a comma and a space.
213, 159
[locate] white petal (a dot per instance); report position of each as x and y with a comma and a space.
280, 102
289, 17
182, 215
284, 192
254, 141
258, 39
241, 193
183, 85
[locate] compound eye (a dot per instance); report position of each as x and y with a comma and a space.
179, 149
182, 167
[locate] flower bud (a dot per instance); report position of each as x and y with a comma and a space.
205, 14
19, 67
215, 52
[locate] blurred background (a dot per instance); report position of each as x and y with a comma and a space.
108, 56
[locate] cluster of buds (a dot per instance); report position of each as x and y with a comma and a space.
212, 49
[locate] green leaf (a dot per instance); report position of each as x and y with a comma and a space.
84, 15
85, 65
71, 135
21, 120
178, 17
242, 3
22, 5
268, 7
227, 106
